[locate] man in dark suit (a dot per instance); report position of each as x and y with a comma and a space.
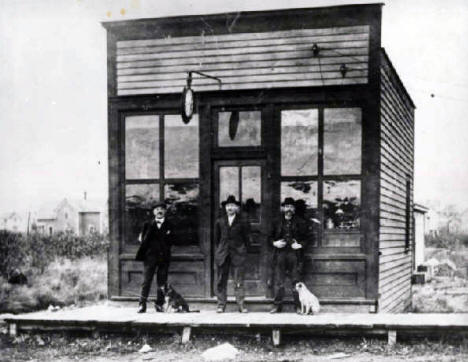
288, 239
155, 253
231, 236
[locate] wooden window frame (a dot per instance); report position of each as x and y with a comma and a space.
320, 178
162, 181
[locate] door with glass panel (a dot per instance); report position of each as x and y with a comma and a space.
245, 180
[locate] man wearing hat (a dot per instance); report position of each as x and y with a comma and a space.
288, 239
231, 237
155, 253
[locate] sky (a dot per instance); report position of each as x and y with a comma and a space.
53, 81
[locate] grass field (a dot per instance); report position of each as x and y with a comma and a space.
63, 282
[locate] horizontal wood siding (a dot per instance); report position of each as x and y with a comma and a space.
244, 61
397, 165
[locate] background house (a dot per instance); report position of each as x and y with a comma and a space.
13, 221
81, 217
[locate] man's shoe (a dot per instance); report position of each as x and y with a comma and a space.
220, 309
142, 308
275, 310
158, 308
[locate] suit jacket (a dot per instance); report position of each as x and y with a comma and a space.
299, 232
231, 240
156, 243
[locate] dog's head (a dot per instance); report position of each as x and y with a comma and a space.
168, 290
299, 286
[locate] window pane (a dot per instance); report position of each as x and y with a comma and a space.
142, 147
228, 183
138, 202
299, 142
251, 192
342, 141
180, 147
342, 205
244, 132
305, 195
183, 211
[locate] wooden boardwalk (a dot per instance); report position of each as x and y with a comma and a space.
125, 320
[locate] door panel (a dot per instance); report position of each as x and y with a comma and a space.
245, 180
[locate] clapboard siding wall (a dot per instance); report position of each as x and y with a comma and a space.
396, 192
244, 61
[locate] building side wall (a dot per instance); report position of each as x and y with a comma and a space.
396, 198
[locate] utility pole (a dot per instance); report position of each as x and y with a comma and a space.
29, 217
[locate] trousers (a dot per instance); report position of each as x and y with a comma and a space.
286, 261
150, 267
222, 279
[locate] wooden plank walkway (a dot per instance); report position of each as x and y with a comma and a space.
126, 320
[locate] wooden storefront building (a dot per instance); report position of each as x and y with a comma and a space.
308, 106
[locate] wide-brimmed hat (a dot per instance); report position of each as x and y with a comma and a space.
288, 201
159, 204
231, 199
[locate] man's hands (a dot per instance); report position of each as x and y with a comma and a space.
279, 243
295, 245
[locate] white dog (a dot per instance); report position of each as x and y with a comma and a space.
309, 302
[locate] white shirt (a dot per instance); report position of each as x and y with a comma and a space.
159, 222
231, 219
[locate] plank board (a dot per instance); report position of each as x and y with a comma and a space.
125, 316
244, 61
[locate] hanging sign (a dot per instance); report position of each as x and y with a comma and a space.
187, 104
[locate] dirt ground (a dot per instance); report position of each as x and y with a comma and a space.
258, 348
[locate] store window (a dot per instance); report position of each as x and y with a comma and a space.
342, 141
321, 169
299, 142
162, 163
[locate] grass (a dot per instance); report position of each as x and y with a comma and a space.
57, 346
435, 296
63, 282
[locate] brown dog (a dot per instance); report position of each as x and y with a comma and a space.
309, 302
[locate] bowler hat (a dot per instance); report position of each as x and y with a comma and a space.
159, 204
231, 199
288, 201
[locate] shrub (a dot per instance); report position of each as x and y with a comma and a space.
61, 269
34, 252
63, 282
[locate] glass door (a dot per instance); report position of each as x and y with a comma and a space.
245, 180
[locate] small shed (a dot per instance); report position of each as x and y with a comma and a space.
300, 103
420, 212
